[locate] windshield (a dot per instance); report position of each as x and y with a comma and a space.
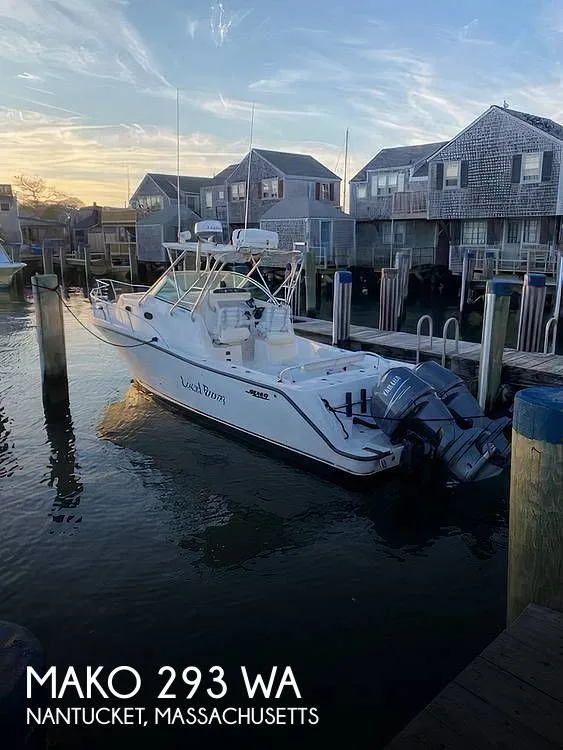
188, 285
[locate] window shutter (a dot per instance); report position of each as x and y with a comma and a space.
317, 191
547, 165
464, 174
280, 188
440, 176
546, 233
331, 191
492, 235
455, 232
516, 167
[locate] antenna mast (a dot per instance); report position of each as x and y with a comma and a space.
178, 159
248, 175
345, 171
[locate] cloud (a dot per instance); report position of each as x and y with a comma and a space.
238, 109
28, 76
192, 26
222, 21
84, 37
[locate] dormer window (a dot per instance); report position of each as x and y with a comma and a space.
270, 189
387, 183
238, 191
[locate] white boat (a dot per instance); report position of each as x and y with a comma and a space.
8, 268
221, 345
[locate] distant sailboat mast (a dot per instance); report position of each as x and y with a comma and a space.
345, 171
178, 159
248, 174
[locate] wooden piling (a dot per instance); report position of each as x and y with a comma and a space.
535, 549
310, 283
493, 340
341, 308
62, 263
51, 339
389, 300
87, 272
48, 265
531, 313
17, 290
133, 263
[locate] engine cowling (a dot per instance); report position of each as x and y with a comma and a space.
453, 427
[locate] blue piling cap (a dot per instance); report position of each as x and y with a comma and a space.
345, 277
538, 414
535, 279
499, 287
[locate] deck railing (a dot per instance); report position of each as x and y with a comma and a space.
517, 259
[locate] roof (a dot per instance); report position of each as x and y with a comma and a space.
304, 208
167, 183
297, 165
542, 123
220, 178
85, 217
401, 156
169, 215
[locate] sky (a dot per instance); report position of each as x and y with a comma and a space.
88, 87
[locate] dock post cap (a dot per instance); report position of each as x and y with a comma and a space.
538, 414
499, 287
345, 277
534, 279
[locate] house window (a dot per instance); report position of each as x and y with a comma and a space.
270, 188
531, 234
324, 191
4, 205
386, 183
474, 233
393, 233
362, 191
513, 232
208, 199
238, 191
531, 167
221, 195
452, 174
149, 203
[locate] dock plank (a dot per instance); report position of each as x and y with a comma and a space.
510, 696
519, 368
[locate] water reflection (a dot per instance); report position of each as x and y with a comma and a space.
63, 467
232, 503
8, 460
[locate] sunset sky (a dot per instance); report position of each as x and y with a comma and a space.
88, 87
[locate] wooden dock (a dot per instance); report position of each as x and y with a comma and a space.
510, 697
519, 368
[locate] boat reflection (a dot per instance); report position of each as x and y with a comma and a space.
232, 503
8, 459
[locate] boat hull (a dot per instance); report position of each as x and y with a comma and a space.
7, 273
263, 412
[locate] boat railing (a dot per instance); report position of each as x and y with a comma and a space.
110, 289
340, 362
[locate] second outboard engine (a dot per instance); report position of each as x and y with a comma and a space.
405, 401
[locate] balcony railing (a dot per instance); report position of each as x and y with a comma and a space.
383, 256
509, 259
409, 204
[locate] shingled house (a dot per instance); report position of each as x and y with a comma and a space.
498, 186
156, 198
388, 199
10, 229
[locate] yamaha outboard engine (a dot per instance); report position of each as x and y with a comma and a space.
407, 402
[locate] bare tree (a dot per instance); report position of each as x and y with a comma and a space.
35, 193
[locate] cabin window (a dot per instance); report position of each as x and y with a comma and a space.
4, 205
208, 199
531, 234
238, 191
452, 171
531, 167
270, 189
474, 232
513, 232
362, 191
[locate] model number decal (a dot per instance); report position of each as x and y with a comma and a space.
258, 394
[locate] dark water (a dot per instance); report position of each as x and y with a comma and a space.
131, 536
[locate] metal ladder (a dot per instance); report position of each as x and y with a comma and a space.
447, 324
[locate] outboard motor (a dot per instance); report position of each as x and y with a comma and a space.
404, 402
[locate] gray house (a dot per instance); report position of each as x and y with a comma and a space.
158, 191
388, 199
326, 229
275, 177
497, 186
10, 230
157, 199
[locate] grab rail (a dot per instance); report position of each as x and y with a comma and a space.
347, 359
548, 325
418, 330
444, 338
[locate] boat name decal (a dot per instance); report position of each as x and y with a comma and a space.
258, 394
203, 390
